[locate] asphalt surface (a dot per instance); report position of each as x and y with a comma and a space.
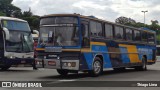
27, 74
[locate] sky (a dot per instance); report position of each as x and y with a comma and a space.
104, 9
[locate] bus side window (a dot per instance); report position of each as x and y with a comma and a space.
119, 33
144, 36
85, 35
137, 35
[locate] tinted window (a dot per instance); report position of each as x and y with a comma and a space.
144, 36
58, 20
119, 32
128, 34
151, 38
16, 25
99, 29
108, 31
137, 35
84, 30
96, 28
93, 28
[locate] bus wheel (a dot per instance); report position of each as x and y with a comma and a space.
62, 72
97, 67
143, 67
4, 68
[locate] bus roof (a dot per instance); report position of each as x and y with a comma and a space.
96, 19
11, 18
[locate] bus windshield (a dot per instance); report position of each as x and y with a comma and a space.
20, 36
19, 42
60, 31
15, 25
59, 36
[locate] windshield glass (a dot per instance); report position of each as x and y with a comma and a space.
58, 20
15, 25
19, 42
59, 31
59, 36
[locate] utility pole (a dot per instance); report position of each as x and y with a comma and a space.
144, 15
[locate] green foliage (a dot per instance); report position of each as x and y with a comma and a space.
7, 8
125, 21
2, 14
33, 22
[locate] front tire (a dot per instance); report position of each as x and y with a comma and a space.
62, 72
97, 67
143, 67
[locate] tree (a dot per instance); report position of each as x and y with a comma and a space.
33, 20
7, 7
27, 13
17, 14
125, 21
2, 14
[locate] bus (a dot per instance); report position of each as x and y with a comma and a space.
72, 43
16, 43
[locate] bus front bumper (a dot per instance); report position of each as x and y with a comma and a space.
58, 64
17, 61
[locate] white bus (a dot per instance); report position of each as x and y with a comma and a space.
16, 43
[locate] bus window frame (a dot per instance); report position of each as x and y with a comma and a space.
123, 36
97, 36
125, 31
135, 37
105, 31
86, 22
142, 38
148, 37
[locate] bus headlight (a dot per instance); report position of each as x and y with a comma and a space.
69, 64
12, 57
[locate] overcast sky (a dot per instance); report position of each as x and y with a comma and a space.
104, 9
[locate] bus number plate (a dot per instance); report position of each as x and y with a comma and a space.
53, 49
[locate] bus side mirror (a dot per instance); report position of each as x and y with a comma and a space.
6, 31
36, 32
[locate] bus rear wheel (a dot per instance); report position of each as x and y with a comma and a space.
143, 67
62, 72
97, 67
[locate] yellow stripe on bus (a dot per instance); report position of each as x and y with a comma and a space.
40, 49
98, 43
132, 49
70, 49
86, 50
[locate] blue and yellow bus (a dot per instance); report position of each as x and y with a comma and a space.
72, 43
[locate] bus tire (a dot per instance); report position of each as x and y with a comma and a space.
97, 67
62, 72
4, 68
143, 67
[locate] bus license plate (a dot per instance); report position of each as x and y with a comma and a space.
52, 63
53, 49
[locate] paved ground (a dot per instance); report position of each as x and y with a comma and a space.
27, 74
